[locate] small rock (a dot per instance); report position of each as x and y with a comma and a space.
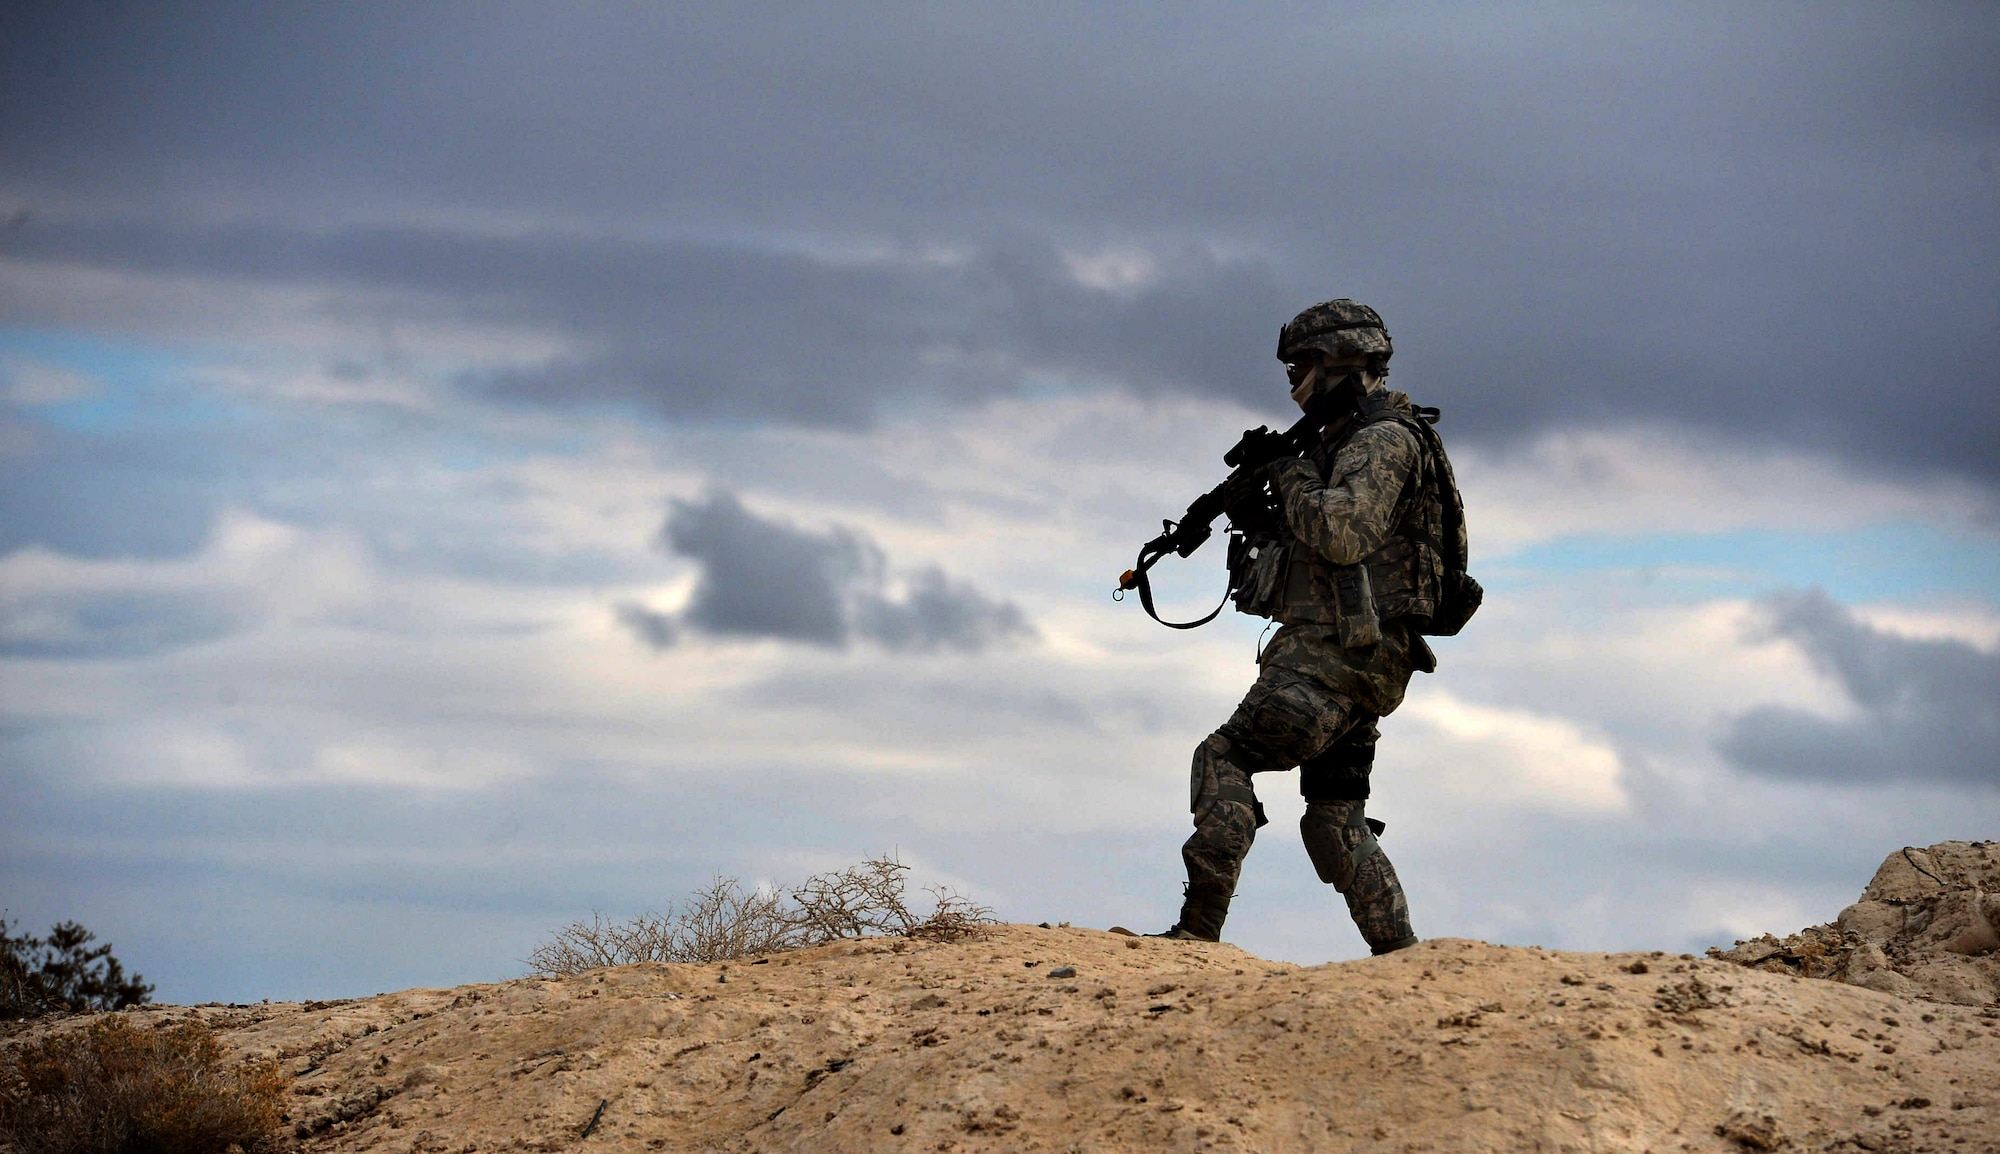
1757, 1129
423, 1075
1063, 972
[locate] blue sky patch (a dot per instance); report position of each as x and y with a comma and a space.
1900, 563
138, 386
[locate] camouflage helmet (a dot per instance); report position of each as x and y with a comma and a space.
1339, 328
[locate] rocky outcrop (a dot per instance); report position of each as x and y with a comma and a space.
1927, 926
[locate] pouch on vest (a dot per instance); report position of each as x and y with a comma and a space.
1355, 599
1459, 597
1257, 570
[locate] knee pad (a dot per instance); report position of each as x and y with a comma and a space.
1215, 776
1338, 837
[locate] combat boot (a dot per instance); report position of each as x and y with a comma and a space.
1203, 911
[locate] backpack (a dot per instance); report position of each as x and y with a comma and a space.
1459, 594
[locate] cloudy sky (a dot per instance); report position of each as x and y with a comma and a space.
467, 466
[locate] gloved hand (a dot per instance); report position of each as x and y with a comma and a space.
1245, 501
1261, 447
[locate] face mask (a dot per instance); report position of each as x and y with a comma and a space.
1303, 391
1352, 379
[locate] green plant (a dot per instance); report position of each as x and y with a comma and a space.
62, 972
113, 1088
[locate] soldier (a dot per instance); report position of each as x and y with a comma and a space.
1350, 563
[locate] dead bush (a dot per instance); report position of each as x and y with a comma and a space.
724, 921
115, 1089
955, 917
582, 946
853, 902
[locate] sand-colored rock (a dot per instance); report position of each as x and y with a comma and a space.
887, 1045
1928, 925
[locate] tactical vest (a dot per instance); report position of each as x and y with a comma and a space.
1274, 575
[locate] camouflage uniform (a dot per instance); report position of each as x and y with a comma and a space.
1318, 694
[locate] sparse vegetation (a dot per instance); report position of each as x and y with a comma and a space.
113, 1088
723, 921
62, 973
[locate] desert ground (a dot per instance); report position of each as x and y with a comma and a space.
1150, 1045
1062, 1038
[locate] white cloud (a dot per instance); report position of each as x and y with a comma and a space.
1112, 269
1974, 624
1746, 908
1660, 480
184, 751
251, 568
1513, 756
1592, 647
287, 321
396, 762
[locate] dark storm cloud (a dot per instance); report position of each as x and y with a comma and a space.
764, 578
698, 329
939, 613
1929, 711
703, 330
1780, 223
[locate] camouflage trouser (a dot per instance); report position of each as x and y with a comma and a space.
1288, 719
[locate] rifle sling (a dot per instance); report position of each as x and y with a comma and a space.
1317, 416
1146, 599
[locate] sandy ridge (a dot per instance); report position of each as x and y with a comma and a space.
886, 1045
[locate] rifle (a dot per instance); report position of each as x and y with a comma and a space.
1257, 448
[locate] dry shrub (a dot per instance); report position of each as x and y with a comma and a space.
582, 946
721, 921
955, 917
724, 921
853, 902
115, 1089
